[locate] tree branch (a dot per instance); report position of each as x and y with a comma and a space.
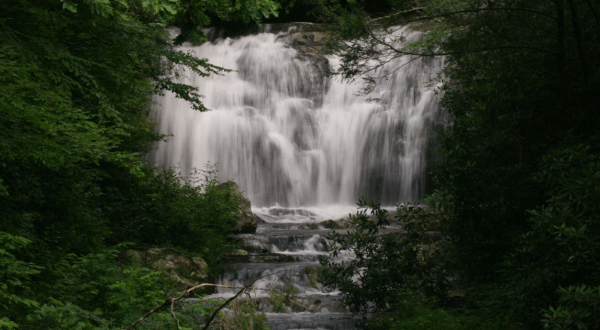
212, 317
173, 312
424, 18
399, 51
396, 14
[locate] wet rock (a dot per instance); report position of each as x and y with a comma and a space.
309, 226
332, 321
307, 42
294, 27
259, 258
281, 212
253, 243
327, 224
282, 226
240, 252
331, 224
312, 276
308, 38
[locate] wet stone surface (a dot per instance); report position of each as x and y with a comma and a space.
287, 244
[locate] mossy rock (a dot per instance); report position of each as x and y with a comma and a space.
246, 221
309, 226
331, 224
184, 270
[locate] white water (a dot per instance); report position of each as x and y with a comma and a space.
291, 137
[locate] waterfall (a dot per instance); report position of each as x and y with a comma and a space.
290, 135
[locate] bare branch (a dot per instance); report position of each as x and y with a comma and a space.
396, 14
425, 18
212, 317
171, 301
173, 312
477, 50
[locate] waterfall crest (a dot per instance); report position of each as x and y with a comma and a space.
290, 135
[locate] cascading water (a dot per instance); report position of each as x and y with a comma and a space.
289, 135
303, 148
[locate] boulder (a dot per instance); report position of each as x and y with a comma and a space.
331, 224
309, 226
246, 220
327, 224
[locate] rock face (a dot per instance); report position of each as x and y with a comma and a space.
246, 220
183, 269
253, 243
309, 38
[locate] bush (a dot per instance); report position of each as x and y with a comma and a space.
556, 262
413, 311
385, 265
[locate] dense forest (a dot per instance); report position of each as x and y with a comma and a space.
515, 198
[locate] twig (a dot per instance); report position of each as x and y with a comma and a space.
212, 317
396, 14
232, 298
173, 312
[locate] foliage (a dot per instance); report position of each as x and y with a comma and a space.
576, 310
413, 311
14, 278
383, 265
193, 212
242, 315
162, 209
280, 299
67, 316
99, 291
555, 262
